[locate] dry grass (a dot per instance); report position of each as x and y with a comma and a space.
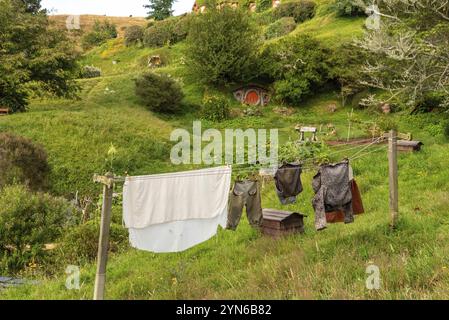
87, 22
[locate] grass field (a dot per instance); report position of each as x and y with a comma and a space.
413, 259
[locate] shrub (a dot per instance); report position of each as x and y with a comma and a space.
22, 161
215, 108
159, 93
133, 35
386, 123
100, 33
160, 33
299, 10
27, 222
347, 60
90, 72
80, 243
292, 151
181, 28
298, 66
264, 18
350, 7
431, 101
222, 46
263, 5
280, 28
446, 129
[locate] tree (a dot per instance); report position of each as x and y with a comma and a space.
160, 9
298, 66
408, 55
222, 46
31, 50
32, 6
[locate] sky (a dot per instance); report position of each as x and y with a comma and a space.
109, 7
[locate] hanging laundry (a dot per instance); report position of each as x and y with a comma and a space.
357, 204
332, 189
288, 182
245, 193
176, 211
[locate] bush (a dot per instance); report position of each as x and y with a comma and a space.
386, 123
431, 101
263, 5
90, 72
22, 161
100, 33
215, 108
280, 28
133, 35
299, 10
350, 7
298, 66
222, 46
160, 33
181, 28
264, 18
80, 243
159, 93
28, 221
446, 129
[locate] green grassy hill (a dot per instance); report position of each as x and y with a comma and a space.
413, 260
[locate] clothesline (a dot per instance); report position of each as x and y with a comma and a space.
308, 167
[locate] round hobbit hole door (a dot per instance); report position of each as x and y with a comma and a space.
252, 97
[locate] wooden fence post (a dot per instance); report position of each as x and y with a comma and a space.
393, 174
103, 243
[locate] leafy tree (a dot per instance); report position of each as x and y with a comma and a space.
31, 50
32, 6
408, 55
222, 46
351, 7
298, 66
160, 9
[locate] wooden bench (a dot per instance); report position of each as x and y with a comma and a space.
4, 111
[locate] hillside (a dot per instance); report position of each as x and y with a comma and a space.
87, 22
413, 259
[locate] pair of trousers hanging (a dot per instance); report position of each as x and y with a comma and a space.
245, 193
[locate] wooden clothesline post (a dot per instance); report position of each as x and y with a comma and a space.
393, 177
103, 243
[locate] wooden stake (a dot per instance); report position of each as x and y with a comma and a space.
103, 243
393, 173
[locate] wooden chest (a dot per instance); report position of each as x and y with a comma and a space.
409, 146
277, 223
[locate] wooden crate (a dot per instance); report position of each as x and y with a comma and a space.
4, 111
409, 146
278, 223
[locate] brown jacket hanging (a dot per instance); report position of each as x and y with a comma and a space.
357, 206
